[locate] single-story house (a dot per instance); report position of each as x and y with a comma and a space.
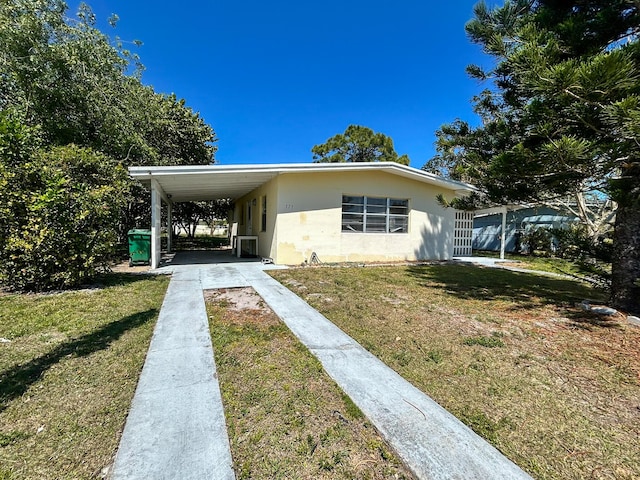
341, 212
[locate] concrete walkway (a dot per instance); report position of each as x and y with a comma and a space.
176, 425
176, 428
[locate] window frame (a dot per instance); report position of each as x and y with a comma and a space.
363, 214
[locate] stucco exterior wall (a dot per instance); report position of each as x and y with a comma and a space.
309, 219
267, 238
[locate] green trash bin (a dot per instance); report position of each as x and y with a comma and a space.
139, 247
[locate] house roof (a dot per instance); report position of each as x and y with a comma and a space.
210, 182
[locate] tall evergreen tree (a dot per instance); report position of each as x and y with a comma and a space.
562, 114
357, 144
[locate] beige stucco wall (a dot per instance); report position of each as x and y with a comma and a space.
309, 217
266, 239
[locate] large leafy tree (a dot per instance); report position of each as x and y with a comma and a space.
562, 115
73, 115
83, 88
357, 144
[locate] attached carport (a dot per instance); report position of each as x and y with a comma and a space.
175, 184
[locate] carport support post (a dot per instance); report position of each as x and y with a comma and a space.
503, 240
169, 225
156, 215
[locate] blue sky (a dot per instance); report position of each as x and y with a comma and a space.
276, 78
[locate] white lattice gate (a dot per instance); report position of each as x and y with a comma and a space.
463, 234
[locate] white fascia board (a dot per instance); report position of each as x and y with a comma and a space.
146, 173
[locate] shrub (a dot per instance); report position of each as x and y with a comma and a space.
59, 222
536, 238
575, 243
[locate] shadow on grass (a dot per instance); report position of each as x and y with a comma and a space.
15, 381
103, 280
591, 321
115, 279
482, 283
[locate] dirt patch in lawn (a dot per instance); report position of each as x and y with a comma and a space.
286, 418
513, 355
240, 299
123, 267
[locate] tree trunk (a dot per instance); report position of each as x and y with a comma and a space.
625, 267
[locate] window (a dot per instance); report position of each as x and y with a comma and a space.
263, 225
375, 215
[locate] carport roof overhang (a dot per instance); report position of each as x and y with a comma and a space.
210, 182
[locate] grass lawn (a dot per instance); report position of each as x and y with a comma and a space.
555, 388
68, 373
286, 418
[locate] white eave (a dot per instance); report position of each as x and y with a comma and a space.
209, 182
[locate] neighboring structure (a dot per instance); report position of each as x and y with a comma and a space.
351, 212
487, 227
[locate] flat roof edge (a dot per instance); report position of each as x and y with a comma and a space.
147, 172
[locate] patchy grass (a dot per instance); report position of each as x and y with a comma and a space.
68, 372
554, 388
286, 418
484, 341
